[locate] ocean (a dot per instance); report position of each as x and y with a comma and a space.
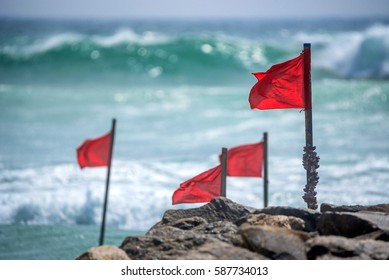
179, 92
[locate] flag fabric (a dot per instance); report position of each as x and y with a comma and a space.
94, 152
280, 87
201, 188
245, 160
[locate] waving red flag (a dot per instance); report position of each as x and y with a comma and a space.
94, 152
280, 87
202, 188
245, 160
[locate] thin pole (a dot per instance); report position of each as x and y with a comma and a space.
224, 173
308, 95
310, 158
107, 182
265, 170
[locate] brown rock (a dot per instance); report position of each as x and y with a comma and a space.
309, 216
276, 221
104, 252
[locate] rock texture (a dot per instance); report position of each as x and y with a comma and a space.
105, 252
223, 229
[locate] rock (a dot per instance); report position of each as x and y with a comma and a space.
339, 247
104, 252
275, 242
218, 209
168, 243
221, 251
310, 217
225, 230
275, 220
354, 208
351, 224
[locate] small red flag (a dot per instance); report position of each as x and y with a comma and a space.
201, 188
280, 87
245, 160
94, 152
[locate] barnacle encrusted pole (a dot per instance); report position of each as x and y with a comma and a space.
310, 158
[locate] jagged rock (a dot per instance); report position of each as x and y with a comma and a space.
221, 251
339, 247
218, 209
274, 220
354, 208
104, 252
309, 216
275, 242
169, 243
223, 229
351, 224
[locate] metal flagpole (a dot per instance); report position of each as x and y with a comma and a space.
224, 173
310, 158
265, 170
107, 182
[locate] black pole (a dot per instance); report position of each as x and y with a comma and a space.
265, 171
310, 158
107, 182
224, 173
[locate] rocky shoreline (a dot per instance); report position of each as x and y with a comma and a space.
225, 230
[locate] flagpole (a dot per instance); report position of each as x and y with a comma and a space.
265, 171
107, 182
223, 185
310, 158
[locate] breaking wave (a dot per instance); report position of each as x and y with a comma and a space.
342, 54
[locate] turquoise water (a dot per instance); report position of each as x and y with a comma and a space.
53, 242
179, 91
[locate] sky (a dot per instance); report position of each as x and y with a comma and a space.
257, 9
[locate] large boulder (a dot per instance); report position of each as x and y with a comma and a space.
354, 208
339, 247
352, 224
167, 243
275, 242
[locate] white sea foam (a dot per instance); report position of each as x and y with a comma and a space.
128, 35
356, 54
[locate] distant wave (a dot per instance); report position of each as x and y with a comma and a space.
362, 54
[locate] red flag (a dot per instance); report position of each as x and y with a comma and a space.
279, 87
202, 188
245, 160
94, 152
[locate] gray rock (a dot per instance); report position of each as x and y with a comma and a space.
339, 247
218, 209
354, 208
223, 229
168, 243
350, 224
275, 242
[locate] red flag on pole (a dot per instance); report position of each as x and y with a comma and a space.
245, 160
280, 87
201, 188
94, 152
